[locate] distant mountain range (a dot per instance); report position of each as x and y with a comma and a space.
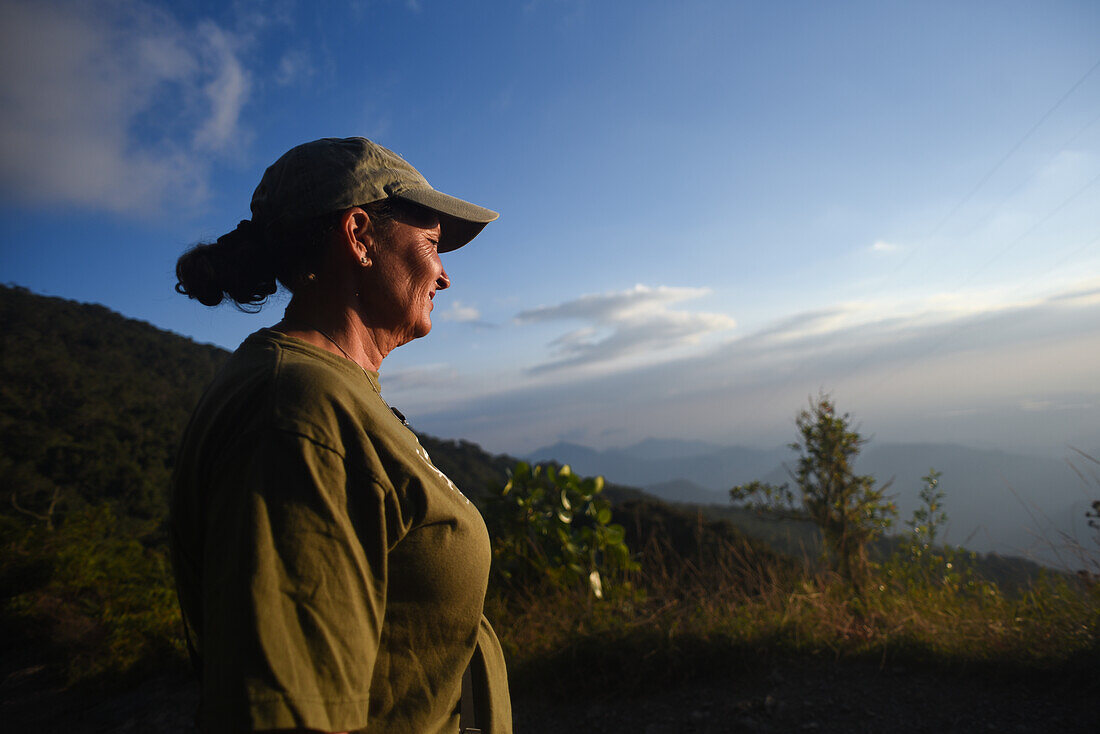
692, 465
995, 501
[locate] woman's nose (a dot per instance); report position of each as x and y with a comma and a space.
442, 281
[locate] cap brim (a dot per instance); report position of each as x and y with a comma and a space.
459, 221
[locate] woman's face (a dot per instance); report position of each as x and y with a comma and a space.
404, 275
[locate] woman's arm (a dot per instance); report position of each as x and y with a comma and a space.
294, 589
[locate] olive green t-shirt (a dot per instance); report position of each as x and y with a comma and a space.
333, 577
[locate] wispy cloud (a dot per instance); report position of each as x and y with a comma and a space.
435, 376
883, 246
225, 92
294, 67
81, 83
912, 371
461, 313
625, 323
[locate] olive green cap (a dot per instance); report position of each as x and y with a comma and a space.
333, 174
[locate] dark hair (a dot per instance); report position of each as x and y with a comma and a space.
246, 264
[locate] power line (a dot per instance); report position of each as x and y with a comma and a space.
969, 325
1030, 229
996, 167
1000, 254
1058, 151
774, 393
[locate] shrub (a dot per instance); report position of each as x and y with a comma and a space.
549, 525
92, 590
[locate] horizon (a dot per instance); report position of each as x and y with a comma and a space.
710, 213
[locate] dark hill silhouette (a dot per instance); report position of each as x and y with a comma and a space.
92, 405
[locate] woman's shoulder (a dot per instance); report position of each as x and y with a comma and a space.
310, 391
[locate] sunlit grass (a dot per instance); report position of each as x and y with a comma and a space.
106, 605
662, 625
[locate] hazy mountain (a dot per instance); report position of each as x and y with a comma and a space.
1009, 503
683, 490
995, 500
717, 470
657, 448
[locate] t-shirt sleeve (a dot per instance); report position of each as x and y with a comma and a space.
295, 567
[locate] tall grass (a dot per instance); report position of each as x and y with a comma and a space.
703, 601
734, 609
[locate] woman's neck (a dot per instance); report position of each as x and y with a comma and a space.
343, 334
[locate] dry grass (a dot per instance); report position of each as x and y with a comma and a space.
684, 616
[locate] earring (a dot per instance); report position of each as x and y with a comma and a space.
364, 259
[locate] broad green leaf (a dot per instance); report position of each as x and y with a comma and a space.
615, 535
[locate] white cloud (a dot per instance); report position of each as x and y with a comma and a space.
115, 106
461, 313
1007, 373
423, 376
294, 66
625, 323
225, 91
883, 246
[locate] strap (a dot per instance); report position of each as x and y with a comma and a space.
196, 660
192, 653
467, 712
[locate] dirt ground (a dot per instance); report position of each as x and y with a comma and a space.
793, 697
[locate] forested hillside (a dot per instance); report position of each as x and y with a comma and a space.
91, 405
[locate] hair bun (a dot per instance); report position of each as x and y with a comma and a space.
236, 266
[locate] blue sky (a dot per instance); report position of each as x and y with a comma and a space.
709, 210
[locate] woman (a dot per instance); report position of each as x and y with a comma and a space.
332, 578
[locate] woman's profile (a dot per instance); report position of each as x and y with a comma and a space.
331, 577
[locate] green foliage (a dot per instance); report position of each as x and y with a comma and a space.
548, 524
91, 405
929, 517
91, 586
846, 507
919, 566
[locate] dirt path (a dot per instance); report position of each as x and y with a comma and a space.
821, 697
795, 697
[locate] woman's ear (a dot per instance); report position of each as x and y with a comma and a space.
356, 233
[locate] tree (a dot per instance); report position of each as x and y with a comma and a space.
847, 508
